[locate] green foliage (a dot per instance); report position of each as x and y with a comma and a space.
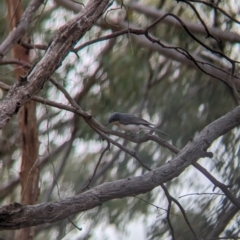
127, 77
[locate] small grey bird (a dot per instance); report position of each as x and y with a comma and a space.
132, 123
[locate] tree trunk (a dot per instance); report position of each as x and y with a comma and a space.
29, 173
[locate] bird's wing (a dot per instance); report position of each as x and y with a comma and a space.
131, 119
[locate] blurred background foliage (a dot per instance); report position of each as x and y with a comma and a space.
121, 75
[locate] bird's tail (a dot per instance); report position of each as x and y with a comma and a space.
160, 131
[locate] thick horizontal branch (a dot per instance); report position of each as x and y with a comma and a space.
17, 216
60, 46
145, 138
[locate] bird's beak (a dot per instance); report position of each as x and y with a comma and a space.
106, 124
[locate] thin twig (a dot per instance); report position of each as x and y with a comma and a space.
86, 186
200, 194
181, 209
79, 228
201, 20
220, 185
169, 210
151, 204
210, 4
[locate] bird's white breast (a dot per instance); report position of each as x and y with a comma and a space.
133, 128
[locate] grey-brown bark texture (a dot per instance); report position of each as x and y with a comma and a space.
16, 216
29, 173
58, 49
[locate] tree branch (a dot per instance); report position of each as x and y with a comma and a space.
60, 46
193, 27
16, 216
18, 32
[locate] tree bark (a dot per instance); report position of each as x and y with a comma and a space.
15, 216
58, 49
29, 173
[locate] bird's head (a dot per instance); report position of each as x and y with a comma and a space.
114, 118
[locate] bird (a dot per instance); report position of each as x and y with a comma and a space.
132, 123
